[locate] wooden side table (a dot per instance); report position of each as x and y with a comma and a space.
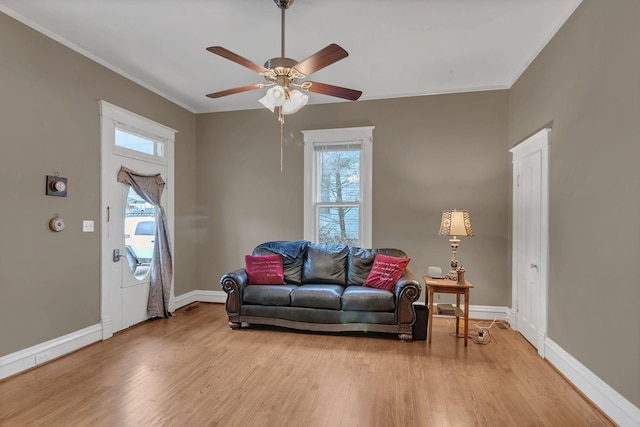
446, 286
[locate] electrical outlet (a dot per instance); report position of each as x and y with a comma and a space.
42, 357
87, 226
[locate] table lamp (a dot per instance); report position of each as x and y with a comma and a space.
455, 223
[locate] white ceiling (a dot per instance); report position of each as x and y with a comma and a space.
396, 47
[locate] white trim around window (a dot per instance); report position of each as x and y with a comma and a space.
361, 136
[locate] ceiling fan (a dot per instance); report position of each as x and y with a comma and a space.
284, 75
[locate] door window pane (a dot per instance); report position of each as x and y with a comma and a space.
139, 231
339, 225
135, 142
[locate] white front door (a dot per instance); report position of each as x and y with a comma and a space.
530, 231
127, 224
131, 235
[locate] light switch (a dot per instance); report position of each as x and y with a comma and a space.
87, 226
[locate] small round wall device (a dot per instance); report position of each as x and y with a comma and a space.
56, 224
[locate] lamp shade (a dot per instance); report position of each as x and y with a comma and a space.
456, 223
277, 95
296, 101
268, 103
274, 97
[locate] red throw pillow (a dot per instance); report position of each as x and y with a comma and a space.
264, 270
386, 271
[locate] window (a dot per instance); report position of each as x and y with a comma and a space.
127, 134
135, 142
153, 146
337, 196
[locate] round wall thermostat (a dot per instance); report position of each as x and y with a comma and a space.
58, 186
56, 224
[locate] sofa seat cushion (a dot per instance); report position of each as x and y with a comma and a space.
268, 294
359, 298
317, 296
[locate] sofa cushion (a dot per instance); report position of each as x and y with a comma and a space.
264, 270
293, 254
317, 296
279, 295
360, 262
361, 298
325, 263
386, 271
391, 252
323, 317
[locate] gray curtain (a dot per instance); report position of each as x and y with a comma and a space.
150, 188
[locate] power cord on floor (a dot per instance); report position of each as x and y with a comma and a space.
483, 336
480, 334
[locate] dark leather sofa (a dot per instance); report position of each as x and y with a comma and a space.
323, 292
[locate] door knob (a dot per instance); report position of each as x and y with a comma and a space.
117, 256
534, 265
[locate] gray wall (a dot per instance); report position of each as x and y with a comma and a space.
50, 122
429, 154
586, 86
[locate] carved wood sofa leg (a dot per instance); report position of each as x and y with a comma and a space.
405, 337
235, 325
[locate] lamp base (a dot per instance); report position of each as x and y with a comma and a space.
457, 275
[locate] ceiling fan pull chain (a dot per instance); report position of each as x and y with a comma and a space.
281, 119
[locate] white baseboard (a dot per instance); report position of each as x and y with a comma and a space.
619, 409
197, 296
483, 312
28, 358
487, 312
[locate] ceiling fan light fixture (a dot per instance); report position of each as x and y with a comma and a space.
296, 101
267, 103
277, 94
275, 97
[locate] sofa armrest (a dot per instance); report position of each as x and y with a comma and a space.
407, 292
233, 283
407, 278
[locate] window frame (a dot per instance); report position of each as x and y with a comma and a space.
313, 139
113, 117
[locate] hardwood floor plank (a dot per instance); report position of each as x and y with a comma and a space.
193, 370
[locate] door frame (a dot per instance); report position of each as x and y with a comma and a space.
538, 142
110, 117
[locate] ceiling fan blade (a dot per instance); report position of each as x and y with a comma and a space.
235, 90
226, 53
320, 59
331, 90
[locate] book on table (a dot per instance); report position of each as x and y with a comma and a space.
449, 310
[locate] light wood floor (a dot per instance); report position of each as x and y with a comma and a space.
192, 370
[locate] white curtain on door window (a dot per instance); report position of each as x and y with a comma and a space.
150, 188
